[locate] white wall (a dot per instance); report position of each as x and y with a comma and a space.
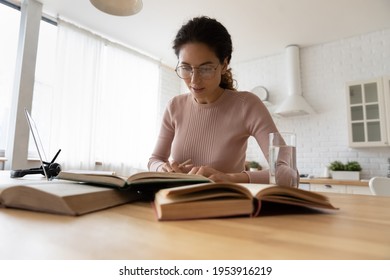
170, 85
325, 69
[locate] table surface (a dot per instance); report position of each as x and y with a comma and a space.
360, 229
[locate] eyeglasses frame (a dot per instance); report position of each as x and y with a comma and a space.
193, 70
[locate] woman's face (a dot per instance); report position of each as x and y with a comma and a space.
204, 71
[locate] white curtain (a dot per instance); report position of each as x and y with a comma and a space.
105, 103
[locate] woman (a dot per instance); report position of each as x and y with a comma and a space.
211, 124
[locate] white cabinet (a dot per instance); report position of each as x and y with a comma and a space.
358, 190
368, 110
328, 188
340, 189
386, 92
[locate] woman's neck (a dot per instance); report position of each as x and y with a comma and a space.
210, 99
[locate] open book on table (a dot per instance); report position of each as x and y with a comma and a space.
61, 197
211, 200
142, 181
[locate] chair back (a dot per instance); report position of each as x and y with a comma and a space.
379, 186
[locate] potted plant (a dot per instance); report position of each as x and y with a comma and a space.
353, 166
254, 166
349, 171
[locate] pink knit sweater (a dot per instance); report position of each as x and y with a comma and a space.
214, 134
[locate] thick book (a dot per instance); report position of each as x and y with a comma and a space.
213, 200
58, 197
142, 181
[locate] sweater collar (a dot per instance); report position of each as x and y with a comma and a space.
210, 105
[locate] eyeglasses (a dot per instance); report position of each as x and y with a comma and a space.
205, 71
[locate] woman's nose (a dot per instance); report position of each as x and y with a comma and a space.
195, 75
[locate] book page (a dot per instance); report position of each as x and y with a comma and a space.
256, 188
93, 177
289, 195
165, 198
156, 176
201, 189
58, 188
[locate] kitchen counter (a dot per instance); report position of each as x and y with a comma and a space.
330, 181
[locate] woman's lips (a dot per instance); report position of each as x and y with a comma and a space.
197, 89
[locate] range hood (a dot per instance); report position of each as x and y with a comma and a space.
294, 104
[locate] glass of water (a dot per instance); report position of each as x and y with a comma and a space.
282, 159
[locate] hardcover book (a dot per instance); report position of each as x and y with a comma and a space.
212, 200
58, 197
142, 181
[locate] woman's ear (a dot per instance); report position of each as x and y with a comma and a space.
224, 66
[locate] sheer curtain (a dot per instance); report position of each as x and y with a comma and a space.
105, 103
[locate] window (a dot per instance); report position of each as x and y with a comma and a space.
9, 28
102, 105
43, 107
93, 99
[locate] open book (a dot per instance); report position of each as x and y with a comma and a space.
228, 199
142, 181
61, 197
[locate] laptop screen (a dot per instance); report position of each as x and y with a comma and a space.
37, 141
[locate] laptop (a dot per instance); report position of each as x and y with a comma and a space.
47, 169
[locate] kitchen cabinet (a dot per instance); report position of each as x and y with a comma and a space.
368, 107
340, 189
328, 188
358, 190
386, 92
335, 186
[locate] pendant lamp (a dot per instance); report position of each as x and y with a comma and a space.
118, 7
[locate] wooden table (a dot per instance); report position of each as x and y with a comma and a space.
359, 230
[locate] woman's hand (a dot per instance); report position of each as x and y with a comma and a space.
218, 176
286, 176
173, 166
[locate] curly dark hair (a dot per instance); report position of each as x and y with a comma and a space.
212, 33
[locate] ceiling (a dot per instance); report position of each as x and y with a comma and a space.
258, 28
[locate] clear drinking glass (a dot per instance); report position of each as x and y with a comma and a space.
282, 159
